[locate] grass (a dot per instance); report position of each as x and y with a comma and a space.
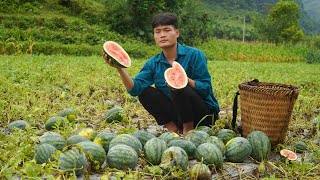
35, 88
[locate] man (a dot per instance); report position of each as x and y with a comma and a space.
178, 111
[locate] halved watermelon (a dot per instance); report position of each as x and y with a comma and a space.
290, 155
117, 54
176, 76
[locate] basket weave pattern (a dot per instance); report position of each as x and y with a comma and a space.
267, 107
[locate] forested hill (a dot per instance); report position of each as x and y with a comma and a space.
309, 9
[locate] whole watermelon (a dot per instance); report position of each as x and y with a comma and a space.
175, 157
153, 150
53, 138
96, 153
116, 114
73, 159
44, 153
197, 137
238, 149
104, 139
200, 171
186, 145
122, 157
168, 136
75, 139
209, 154
127, 139
143, 136
261, 145
20, 124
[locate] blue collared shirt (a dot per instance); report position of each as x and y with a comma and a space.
194, 63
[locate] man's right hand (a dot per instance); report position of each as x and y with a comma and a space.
108, 60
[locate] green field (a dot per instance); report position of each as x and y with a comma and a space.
35, 88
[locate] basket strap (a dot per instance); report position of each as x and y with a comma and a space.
235, 110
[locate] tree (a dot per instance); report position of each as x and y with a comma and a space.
282, 23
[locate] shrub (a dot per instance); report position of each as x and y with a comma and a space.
312, 56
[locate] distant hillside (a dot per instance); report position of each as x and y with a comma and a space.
232, 11
312, 7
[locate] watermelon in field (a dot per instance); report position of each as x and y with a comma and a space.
175, 157
96, 153
218, 142
104, 139
153, 150
44, 153
116, 114
53, 138
209, 154
122, 157
143, 136
200, 171
197, 137
68, 113
225, 135
73, 160
127, 139
75, 139
54, 122
168, 136
88, 133
19, 124
261, 145
238, 149
186, 145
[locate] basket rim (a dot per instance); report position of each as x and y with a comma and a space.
269, 88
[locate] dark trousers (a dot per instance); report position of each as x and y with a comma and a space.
185, 106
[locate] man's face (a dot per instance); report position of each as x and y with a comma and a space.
165, 36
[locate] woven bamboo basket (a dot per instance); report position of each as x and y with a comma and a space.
267, 107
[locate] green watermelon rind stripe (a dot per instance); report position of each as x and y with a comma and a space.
154, 149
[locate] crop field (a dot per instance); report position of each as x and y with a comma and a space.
35, 88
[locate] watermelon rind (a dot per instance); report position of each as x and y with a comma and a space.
44, 153
153, 150
54, 122
53, 138
73, 160
218, 142
209, 154
104, 139
116, 114
186, 145
127, 139
178, 70
68, 113
175, 157
200, 171
197, 137
261, 145
122, 157
74, 139
20, 124
238, 149
116, 61
143, 136
96, 153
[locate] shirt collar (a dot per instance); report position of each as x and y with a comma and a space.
181, 51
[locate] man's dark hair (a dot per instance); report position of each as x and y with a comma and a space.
164, 19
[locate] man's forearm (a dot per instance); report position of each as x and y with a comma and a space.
126, 79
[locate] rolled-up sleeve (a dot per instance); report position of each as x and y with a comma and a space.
142, 80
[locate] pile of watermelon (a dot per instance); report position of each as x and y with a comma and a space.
89, 150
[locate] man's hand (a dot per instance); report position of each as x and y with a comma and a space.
108, 60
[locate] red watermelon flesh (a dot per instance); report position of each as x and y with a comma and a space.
176, 76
